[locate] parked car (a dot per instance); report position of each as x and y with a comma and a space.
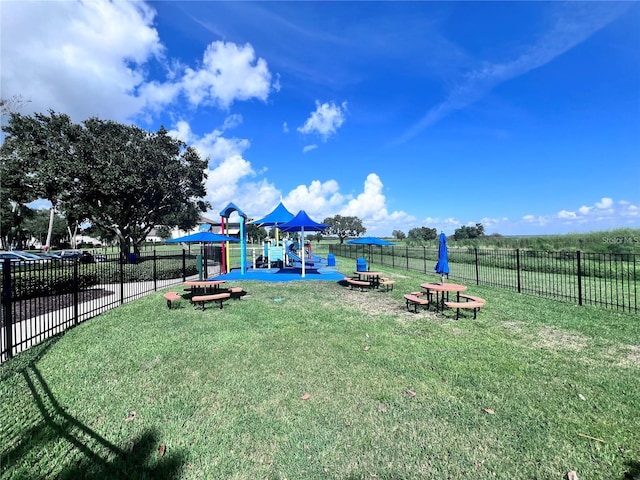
32, 256
49, 256
99, 257
69, 254
19, 259
86, 257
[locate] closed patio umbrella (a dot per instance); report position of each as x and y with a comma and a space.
442, 267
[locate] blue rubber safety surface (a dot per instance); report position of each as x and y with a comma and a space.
289, 274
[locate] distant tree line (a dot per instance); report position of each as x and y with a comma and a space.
424, 234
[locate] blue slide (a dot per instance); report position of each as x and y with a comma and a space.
296, 259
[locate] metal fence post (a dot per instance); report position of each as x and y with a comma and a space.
122, 260
518, 268
155, 271
407, 252
75, 291
7, 316
184, 266
475, 250
424, 258
579, 265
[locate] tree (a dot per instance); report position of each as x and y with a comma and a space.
398, 234
37, 225
13, 227
256, 233
120, 178
163, 232
137, 180
422, 234
467, 231
42, 149
344, 227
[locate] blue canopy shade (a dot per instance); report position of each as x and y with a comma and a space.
203, 237
442, 267
278, 216
302, 223
370, 241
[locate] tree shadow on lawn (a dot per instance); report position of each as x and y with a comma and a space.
634, 470
48, 426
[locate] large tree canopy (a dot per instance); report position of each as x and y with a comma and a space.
344, 227
422, 234
467, 231
118, 177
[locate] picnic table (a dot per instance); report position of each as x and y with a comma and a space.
442, 290
372, 277
203, 286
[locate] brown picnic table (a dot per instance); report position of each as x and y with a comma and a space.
442, 291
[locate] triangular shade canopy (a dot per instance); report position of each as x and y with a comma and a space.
203, 237
370, 241
302, 222
278, 216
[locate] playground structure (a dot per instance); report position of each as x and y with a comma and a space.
281, 253
284, 253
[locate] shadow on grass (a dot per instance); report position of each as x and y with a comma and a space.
634, 470
47, 431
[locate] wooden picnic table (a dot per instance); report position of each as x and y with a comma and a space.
203, 286
442, 290
372, 277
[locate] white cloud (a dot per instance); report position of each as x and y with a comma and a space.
604, 203
318, 199
566, 214
308, 148
325, 120
94, 58
83, 59
370, 207
537, 220
229, 73
232, 121
584, 210
603, 215
285, 127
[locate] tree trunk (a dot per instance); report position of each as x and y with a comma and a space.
125, 246
52, 214
72, 236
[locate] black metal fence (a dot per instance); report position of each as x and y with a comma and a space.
42, 299
606, 279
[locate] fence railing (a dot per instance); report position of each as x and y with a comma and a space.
42, 299
606, 279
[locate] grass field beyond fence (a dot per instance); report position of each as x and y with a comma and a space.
309, 380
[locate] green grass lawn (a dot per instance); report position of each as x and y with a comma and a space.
533, 388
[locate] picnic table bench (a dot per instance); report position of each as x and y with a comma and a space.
215, 297
387, 283
171, 297
236, 292
362, 284
469, 302
415, 299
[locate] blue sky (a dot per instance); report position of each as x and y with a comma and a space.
524, 116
